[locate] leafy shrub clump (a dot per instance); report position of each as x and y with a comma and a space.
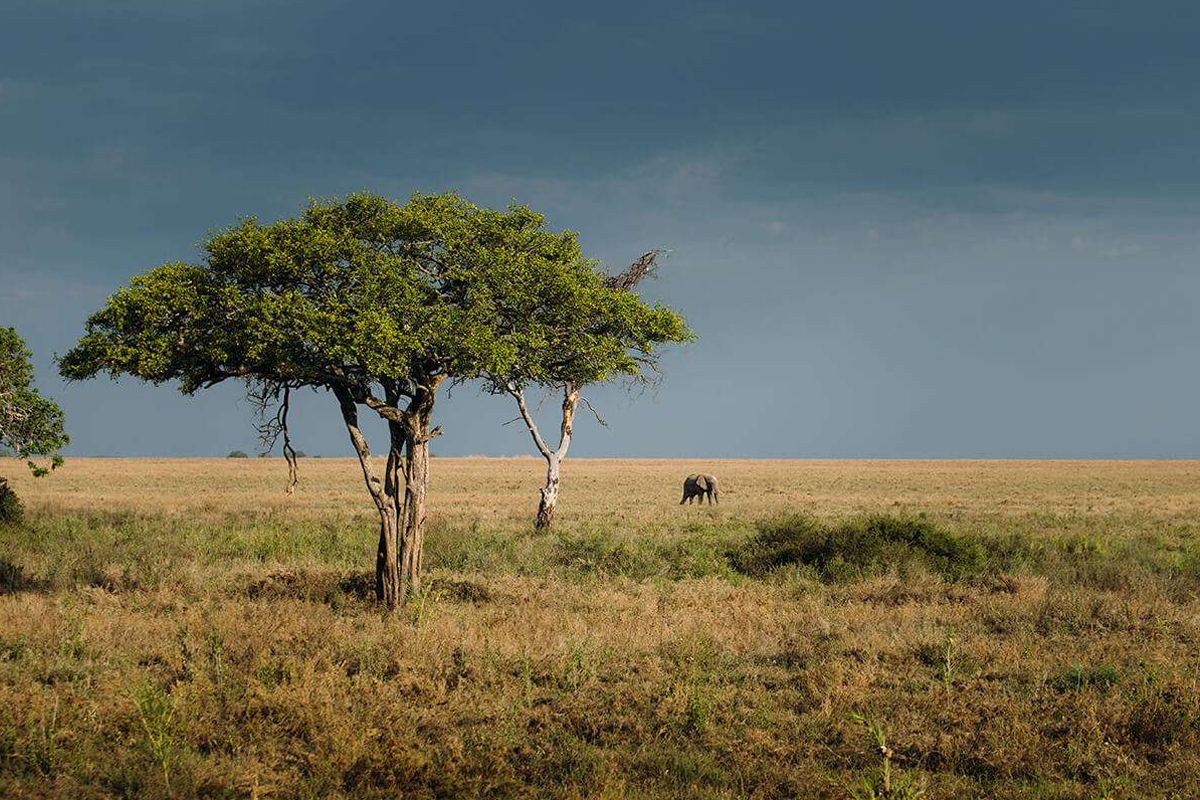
859, 548
237, 454
13, 578
11, 510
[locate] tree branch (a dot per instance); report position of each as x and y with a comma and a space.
389, 412
632, 275
542, 447
270, 428
350, 416
595, 413
570, 402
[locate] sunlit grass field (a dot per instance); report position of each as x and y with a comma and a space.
185, 628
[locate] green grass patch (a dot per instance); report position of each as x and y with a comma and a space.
859, 548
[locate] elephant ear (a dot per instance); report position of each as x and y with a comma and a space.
692, 478
702, 482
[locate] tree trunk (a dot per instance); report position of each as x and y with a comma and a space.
549, 501
415, 491
389, 589
554, 458
388, 586
394, 480
387, 576
418, 431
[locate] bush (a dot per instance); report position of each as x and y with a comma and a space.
237, 454
859, 548
11, 510
13, 578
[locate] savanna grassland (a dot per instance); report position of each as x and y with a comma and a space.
183, 628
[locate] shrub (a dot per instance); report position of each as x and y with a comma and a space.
237, 454
11, 510
859, 548
13, 578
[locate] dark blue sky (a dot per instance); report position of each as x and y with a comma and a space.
901, 229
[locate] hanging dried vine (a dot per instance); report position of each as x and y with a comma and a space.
271, 403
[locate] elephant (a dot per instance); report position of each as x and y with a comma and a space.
700, 486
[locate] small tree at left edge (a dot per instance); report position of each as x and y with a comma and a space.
31, 426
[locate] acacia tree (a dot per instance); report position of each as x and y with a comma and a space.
31, 426
377, 302
604, 334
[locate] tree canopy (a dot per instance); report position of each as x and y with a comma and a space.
364, 291
606, 333
31, 426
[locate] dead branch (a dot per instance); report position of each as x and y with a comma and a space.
631, 276
264, 397
595, 413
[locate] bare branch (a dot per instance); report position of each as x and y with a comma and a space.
632, 275
350, 416
267, 395
542, 447
570, 403
595, 413
363, 394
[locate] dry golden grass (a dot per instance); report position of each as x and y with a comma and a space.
639, 490
182, 628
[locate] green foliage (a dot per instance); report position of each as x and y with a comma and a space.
237, 454
156, 709
11, 510
31, 426
583, 330
860, 547
367, 290
949, 659
889, 783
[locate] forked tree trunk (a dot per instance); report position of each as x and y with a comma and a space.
554, 458
385, 495
418, 431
